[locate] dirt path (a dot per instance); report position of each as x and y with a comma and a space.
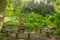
24, 36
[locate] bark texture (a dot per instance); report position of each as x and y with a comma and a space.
2, 9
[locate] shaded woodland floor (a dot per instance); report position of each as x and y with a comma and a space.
23, 36
26, 36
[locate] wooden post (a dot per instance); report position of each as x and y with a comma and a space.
52, 31
17, 35
28, 35
40, 30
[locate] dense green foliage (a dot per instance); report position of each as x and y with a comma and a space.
34, 17
42, 8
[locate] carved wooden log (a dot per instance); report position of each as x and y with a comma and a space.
21, 26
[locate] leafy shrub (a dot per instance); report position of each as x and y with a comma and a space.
57, 32
38, 8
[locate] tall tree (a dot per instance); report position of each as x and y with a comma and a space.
2, 9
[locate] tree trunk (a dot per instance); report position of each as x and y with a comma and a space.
2, 9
